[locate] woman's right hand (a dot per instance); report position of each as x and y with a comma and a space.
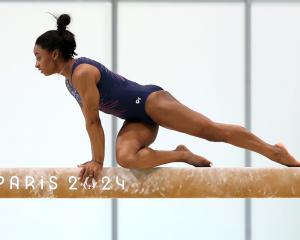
90, 170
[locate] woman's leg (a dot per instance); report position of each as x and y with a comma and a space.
168, 112
133, 152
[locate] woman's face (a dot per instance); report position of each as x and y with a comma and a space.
45, 60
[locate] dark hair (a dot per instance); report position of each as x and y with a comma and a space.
60, 39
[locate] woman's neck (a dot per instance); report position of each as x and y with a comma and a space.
65, 68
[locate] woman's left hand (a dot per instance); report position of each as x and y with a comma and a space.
90, 170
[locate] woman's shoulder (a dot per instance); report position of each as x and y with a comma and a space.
87, 60
84, 62
84, 67
80, 60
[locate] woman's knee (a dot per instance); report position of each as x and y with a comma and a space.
125, 158
157, 103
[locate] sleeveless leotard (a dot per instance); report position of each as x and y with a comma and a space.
119, 96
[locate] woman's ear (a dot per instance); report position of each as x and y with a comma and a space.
55, 54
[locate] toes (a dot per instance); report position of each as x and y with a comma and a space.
202, 165
294, 165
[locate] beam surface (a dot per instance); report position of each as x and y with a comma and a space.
160, 182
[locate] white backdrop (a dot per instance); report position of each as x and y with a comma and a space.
194, 50
41, 124
276, 106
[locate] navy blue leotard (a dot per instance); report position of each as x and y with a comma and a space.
118, 96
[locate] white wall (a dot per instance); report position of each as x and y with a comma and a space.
195, 51
276, 106
41, 124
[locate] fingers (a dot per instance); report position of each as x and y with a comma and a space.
90, 170
83, 164
85, 175
82, 171
96, 175
90, 179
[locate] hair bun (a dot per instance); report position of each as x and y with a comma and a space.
63, 21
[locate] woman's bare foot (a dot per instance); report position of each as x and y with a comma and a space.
194, 159
284, 157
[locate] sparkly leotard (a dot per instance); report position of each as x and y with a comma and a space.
118, 96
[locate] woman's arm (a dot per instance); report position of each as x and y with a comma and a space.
84, 80
91, 134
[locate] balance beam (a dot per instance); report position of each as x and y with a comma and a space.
160, 182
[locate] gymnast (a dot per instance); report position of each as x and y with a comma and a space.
143, 107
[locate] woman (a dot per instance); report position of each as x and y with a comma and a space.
144, 109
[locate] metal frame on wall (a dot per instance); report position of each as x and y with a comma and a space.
248, 60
